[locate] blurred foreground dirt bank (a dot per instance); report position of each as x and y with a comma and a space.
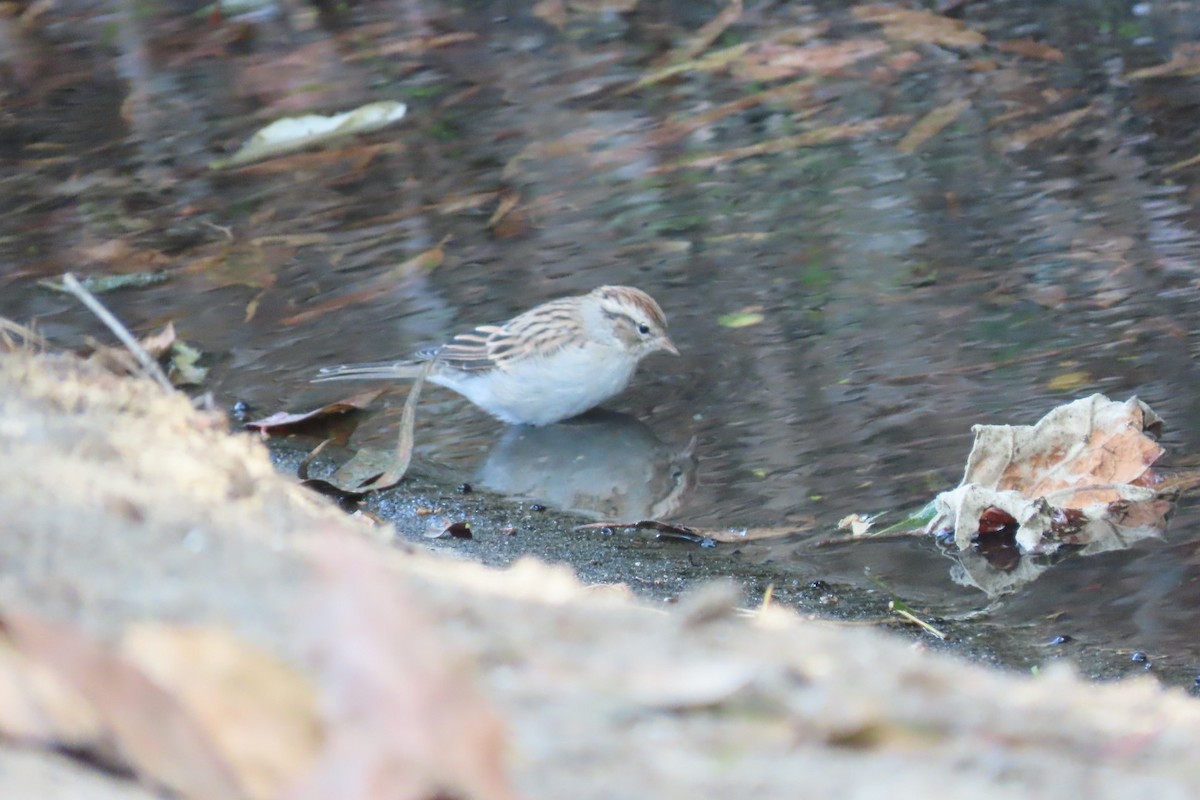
181, 616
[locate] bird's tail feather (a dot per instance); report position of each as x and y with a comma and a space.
384, 370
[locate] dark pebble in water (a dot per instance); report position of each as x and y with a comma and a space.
1139, 657
1062, 638
536, 507
460, 530
465, 488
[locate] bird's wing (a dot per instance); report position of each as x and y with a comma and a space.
537, 333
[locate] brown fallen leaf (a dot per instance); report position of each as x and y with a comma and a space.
813, 138
920, 27
932, 124
1092, 455
421, 44
151, 729
1031, 49
715, 61
380, 285
552, 12
770, 60
38, 707
508, 201
1184, 63
708, 33
259, 714
121, 253
1044, 130
159, 344
282, 422
404, 720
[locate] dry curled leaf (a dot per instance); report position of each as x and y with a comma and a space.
259, 713
149, 727
932, 124
1091, 456
404, 720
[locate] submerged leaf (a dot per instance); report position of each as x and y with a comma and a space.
741, 319
152, 730
932, 124
291, 134
99, 284
260, 714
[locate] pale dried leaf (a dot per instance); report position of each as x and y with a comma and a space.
1044, 130
931, 124
1069, 479
151, 728
404, 720
772, 60
1093, 441
37, 707
921, 27
259, 714
1184, 63
1031, 49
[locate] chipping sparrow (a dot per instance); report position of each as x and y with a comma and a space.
553, 362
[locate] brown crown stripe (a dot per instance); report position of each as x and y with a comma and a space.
636, 298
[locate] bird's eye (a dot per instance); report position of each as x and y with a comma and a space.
644, 329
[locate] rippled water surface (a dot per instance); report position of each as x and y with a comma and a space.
1001, 269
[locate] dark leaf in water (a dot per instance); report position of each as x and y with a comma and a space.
346, 499
99, 284
460, 530
403, 717
705, 537
1000, 551
993, 520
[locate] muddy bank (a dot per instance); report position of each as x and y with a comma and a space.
125, 507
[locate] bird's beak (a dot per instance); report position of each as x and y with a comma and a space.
665, 343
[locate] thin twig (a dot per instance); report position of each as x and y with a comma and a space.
31, 337
120, 331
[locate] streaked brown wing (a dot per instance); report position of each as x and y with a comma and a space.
538, 332
470, 351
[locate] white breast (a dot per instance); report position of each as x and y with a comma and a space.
539, 391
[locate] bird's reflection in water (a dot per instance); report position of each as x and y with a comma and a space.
603, 465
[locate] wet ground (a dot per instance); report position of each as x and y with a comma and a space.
1040, 247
